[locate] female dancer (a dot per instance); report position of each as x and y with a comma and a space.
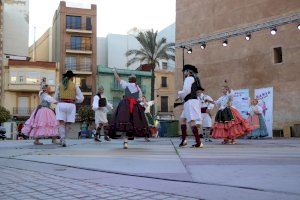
42, 122
256, 120
129, 116
229, 124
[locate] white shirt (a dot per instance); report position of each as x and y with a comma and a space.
133, 87
203, 98
46, 97
222, 102
79, 96
256, 109
96, 104
187, 87
147, 106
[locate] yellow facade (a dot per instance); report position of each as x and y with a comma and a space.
165, 92
40, 50
21, 85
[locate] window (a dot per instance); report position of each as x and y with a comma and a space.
33, 78
70, 63
51, 78
21, 79
73, 22
76, 42
164, 65
88, 23
13, 77
85, 64
164, 81
164, 104
86, 42
277, 55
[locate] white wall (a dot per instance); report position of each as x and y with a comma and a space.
169, 34
16, 27
111, 50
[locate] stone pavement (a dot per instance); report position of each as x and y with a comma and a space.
253, 169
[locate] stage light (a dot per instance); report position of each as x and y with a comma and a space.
273, 31
298, 26
203, 45
225, 43
248, 36
190, 50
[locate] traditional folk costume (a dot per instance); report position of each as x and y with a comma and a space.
42, 122
101, 108
129, 116
147, 105
256, 120
229, 124
191, 107
67, 94
206, 106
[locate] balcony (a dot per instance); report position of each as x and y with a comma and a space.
22, 111
78, 28
80, 69
79, 48
25, 87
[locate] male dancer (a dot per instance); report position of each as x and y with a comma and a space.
67, 94
101, 106
206, 107
191, 113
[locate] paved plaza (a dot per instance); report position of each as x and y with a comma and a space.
252, 169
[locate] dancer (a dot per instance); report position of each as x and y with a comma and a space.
229, 124
256, 120
67, 94
206, 108
191, 113
101, 107
147, 105
42, 122
129, 116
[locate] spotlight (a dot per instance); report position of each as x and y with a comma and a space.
248, 36
189, 50
203, 45
298, 26
225, 43
273, 31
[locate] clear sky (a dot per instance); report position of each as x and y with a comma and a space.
113, 16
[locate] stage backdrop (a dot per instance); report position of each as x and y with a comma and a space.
241, 101
265, 98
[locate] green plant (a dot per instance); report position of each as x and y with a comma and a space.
85, 113
4, 114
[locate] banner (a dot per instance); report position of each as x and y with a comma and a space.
265, 100
241, 101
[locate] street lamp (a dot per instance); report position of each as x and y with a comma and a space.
189, 51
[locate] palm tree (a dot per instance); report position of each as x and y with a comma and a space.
151, 52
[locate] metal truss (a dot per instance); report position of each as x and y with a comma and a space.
240, 31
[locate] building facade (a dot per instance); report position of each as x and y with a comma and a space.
165, 92
22, 85
74, 45
245, 64
13, 41
113, 91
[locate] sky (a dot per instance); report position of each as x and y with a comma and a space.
113, 16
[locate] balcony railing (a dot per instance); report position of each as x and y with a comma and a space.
22, 111
79, 47
77, 26
84, 68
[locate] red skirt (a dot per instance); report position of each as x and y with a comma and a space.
232, 129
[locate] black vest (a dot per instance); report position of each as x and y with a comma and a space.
194, 88
102, 101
